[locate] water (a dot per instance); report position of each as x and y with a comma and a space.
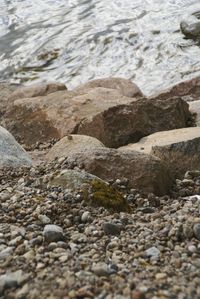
73, 41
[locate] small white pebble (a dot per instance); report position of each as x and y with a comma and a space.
192, 248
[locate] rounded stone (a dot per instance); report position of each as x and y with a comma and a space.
152, 252
85, 216
196, 230
111, 228
53, 233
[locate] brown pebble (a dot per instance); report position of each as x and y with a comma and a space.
138, 295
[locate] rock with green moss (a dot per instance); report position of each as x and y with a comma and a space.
96, 192
99, 193
144, 172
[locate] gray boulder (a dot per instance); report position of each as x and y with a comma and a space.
12, 154
190, 30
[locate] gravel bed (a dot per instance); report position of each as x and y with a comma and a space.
53, 245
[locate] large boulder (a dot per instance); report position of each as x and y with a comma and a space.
37, 90
144, 172
12, 154
189, 90
6, 90
57, 114
94, 190
178, 148
101, 113
190, 30
122, 124
194, 107
72, 144
124, 86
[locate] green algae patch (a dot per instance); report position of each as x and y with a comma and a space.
95, 191
101, 194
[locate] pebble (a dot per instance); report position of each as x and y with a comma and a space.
23, 292
85, 216
138, 295
160, 276
105, 255
101, 269
111, 228
4, 196
152, 252
13, 279
44, 219
8, 251
53, 233
196, 230
192, 248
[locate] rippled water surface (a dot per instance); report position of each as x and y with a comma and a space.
73, 41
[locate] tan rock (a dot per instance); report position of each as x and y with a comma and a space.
102, 113
36, 90
72, 144
194, 107
57, 114
189, 90
124, 86
160, 276
144, 172
6, 90
178, 148
122, 124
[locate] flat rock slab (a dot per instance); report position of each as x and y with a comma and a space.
12, 154
178, 148
144, 172
72, 144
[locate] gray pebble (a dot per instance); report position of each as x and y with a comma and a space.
85, 216
152, 252
196, 230
53, 233
44, 219
13, 279
111, 228
101, 269
6, 252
